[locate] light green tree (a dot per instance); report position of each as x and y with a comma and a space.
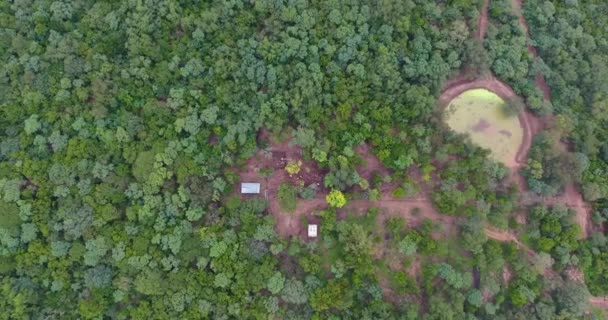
336, 199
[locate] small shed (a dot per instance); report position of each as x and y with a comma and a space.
312, 230
250, 188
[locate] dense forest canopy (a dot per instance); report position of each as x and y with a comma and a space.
123, 125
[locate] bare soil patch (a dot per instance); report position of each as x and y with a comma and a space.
415, 269
600, 302
506, 133
372, 163
480, 126
504, 236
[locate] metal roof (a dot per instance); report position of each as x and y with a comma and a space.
250, 188
312, 230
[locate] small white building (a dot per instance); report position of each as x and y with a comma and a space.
312, 230
250, 188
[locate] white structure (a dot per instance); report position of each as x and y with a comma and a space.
250, 188
312, 230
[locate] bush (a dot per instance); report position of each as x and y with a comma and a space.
513, 107
287, 197
399, 193
293, 167
336, 199
309, 192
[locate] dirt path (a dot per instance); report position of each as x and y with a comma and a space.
571, 197
540, 78
482, 25
600, 302
503, 235
372, 164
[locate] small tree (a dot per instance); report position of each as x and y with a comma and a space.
336, 199
293, 167
275, 283
513, 107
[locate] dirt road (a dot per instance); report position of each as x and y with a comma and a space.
571, 197
600, 302
482, 24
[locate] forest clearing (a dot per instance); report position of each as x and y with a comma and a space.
481, 115
300, 160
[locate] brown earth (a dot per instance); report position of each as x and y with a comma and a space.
275, 157
573, 199
600, 302
480, 126
290, 224
504, 236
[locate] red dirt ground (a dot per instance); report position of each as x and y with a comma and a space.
289, 225
482, 24
482, 125
600, 302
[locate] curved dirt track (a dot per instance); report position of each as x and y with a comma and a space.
571, 196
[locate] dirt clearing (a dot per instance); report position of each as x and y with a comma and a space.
267, 167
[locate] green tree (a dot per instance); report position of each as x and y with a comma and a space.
275, 283
336, 199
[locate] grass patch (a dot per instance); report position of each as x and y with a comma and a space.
481, 114
287, 198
